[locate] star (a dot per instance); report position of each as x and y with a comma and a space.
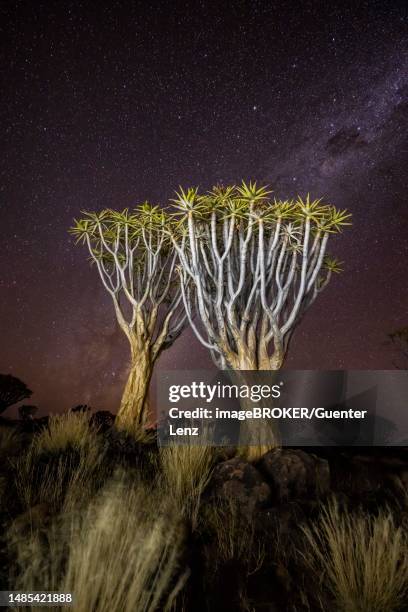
95, 117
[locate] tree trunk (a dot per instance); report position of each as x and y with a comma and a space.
133, 407
257, 436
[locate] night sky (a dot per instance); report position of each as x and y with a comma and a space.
111, 106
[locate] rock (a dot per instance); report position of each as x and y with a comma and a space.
239, 480
294, 474
103, 420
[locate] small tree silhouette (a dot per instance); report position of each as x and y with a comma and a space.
12, 390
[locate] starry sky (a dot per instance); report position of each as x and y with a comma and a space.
111, 105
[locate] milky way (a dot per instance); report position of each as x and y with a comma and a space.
115, 105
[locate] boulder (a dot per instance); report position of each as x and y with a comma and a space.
103, 420
294, 474
239, 480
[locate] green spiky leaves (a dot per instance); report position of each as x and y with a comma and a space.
250, 201
247, 204
251, 193
335, 219
187, 202
335, 266
110, 231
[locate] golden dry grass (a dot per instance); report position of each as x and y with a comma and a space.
234, 535
186, 471
138, 432
62, 466
122, 553
69, 430
363, 560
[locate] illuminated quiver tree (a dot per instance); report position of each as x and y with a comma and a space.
250, 267
136, 263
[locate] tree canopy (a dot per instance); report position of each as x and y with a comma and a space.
12, 390
251, 265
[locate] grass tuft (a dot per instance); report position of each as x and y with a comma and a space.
363, 559
187, 471
63, 466
130, 530
69, 430
235, 535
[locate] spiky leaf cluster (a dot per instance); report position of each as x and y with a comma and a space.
250, 203
110, 231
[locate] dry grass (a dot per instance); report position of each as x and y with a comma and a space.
122, 554
235, 535
62, 466
187, 470
59, 478
138, 432
363, 559
69, 430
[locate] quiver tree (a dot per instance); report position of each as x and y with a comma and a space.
136, 263
12, 390
256, 266
250, 268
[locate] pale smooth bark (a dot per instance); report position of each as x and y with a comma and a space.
251, 289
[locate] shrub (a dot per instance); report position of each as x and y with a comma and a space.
363, 559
